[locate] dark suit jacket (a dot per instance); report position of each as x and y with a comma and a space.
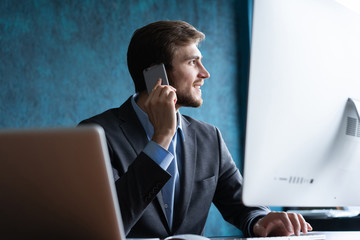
208, 175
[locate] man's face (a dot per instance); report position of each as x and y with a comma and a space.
187, 76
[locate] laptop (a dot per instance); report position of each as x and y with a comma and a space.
57, 184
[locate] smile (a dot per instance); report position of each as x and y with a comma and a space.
198, 84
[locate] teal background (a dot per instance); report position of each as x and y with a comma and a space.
63, 61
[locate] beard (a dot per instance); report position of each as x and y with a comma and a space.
186, 99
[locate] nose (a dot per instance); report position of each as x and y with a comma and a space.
203, 72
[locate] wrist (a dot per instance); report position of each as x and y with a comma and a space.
163, 140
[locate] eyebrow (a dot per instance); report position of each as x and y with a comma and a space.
188, 57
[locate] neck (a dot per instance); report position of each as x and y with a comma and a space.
141, 100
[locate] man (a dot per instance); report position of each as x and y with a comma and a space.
148, 139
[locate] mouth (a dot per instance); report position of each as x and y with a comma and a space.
198, 84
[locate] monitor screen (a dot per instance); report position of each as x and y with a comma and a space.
302, 132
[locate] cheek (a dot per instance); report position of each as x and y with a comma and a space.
176, 79
172, 80
181, 79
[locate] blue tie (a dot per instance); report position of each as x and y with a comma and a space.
168, 191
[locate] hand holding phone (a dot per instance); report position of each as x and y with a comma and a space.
161, 114
152, 75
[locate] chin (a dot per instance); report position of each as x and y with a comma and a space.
200, 102
189, 99
190, 102
197, 103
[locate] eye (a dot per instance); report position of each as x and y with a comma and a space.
192, 62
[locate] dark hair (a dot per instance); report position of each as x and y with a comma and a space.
157, 43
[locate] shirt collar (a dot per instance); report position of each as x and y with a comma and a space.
145, 122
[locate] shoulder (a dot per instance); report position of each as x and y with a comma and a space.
108, 115
192, 121
111, 117
198, 126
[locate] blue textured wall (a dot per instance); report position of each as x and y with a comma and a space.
63, 61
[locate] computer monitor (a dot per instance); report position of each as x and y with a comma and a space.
302, 133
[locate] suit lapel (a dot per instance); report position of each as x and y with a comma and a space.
187, 174
131, 127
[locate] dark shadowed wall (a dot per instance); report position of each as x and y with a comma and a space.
63, 61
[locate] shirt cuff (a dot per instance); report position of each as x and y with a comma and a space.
157, 153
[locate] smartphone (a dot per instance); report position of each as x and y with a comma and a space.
152, 74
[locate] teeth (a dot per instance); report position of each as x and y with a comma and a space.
197, 87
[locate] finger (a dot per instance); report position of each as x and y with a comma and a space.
160, 88
159, 83
295, 223
175, 98
166, 90
274, 224
172, 97
163, 94
153, 91
167, 87
160, 95
284, 220
288, 223
303, 223
172, 88
309, 227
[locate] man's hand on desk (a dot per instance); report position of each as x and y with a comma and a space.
281, 224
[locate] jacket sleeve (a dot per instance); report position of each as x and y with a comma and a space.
139, 178
138, 187
228, 194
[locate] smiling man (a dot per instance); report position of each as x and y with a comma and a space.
168, 167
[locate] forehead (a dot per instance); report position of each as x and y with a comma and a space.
187, 52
